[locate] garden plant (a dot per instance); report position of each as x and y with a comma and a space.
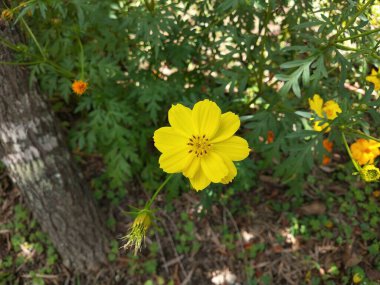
230, 139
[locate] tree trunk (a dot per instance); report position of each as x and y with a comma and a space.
34, 151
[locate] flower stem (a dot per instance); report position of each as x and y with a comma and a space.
359, 35
81, 59
358, 168
352, 20
364, 135
34, 38
150, 202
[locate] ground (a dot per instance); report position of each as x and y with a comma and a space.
324, 237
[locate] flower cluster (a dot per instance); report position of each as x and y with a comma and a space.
328, 110
201, 144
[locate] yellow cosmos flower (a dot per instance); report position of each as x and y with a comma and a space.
79, 87
370, 173
328, 110
201, 144
374, 78
365, 151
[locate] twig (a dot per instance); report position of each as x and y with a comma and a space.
173, 261
172, 242
162, 253
188, 277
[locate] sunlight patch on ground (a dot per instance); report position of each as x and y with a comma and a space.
224, 276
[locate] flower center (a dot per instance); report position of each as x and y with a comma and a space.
199, 145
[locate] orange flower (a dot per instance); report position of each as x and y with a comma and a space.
270, 136
365, 151
328, 146
79, 87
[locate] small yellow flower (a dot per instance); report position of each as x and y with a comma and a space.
374, 78
328, 110
79, 87
370, 173
365, 151
201, 144
357, 278
137, 231
376, 193
7, 14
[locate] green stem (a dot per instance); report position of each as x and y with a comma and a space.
358, 36
34, 38
19, 63
352, 20
150, 202
81, 59
358, 168
343, 47
364, 135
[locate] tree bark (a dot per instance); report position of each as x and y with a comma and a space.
34, 151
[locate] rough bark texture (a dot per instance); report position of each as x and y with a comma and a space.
34, 151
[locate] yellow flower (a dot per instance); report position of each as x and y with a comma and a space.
365, 151
374, 78
370, 173
79, 87
137, 231
201, 144
328, 110
357, 278
7, 14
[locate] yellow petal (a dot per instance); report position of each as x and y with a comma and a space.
235, 148
175, 160
166, 139
316, 105
213, 166
180, 119
206, 118
229, 124
232, 171
200, 180
331, 109
373, 71
192, 168
375, 80
319, 126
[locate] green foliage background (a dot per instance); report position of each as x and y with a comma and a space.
139, 57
